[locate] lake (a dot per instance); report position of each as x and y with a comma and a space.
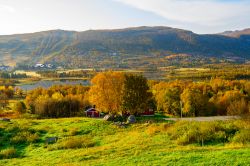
49, 83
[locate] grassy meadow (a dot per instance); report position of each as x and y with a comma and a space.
86, 141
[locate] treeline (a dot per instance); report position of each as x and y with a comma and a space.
111, 92
227, 71
119, 93
58, 101
215, 97
8, 75
55, 74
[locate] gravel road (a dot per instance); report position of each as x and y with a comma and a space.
203, 119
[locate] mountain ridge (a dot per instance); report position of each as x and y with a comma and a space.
236, 33
58, 45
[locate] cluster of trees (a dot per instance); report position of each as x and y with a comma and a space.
215, 97
111, 92
7, 75
57, 101
6, 93
120, 93
227, 71
7, 82
55, 74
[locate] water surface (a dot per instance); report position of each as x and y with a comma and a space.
49, 83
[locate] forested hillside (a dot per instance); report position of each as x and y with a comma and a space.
114, 46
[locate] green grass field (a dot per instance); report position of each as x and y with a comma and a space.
84, 141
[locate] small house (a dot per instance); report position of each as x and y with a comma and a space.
39, 65
92, 112
148, 112
4, 68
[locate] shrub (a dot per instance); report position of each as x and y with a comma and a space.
23, 137
48, 107
19, 107
198, 132
8, 153
242, 136
74, 143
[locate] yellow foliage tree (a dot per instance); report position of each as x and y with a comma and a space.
106, 91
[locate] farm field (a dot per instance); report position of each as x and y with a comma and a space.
86, 141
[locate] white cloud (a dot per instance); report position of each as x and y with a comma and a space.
200, 12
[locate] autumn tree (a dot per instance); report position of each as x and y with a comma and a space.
106, 91
19, 107
172, 101
4, 100
19, 92
238, 107
228, 98
167, 98
195, 103
7, 90
136, 95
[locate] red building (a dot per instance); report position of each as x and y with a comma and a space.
148, 112
92, 112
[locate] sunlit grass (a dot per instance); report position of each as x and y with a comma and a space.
84, 141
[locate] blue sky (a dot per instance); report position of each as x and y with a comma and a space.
200, 16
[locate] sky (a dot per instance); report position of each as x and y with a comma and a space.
199, 16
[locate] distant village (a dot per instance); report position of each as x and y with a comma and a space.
36, 66
41, 65
5, 68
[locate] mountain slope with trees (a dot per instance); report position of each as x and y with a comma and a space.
62, 47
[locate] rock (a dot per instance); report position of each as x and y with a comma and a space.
51, 140
6, 119
131, 119
109, 117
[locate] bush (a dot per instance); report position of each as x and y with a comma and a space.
242, 136
19, 107
199, 132
74, 143
8, 153
66, 107
23, 137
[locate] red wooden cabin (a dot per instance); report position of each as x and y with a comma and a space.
92, 112
148, 112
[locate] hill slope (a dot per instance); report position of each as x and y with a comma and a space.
236, 33
86, 141
62, 47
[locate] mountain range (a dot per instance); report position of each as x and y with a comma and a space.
63, 47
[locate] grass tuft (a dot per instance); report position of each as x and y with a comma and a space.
8, 153
73, 143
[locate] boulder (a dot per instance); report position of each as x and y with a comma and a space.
131, 119
51, 140
109, 117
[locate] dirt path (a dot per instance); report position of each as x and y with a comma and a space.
203, 119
